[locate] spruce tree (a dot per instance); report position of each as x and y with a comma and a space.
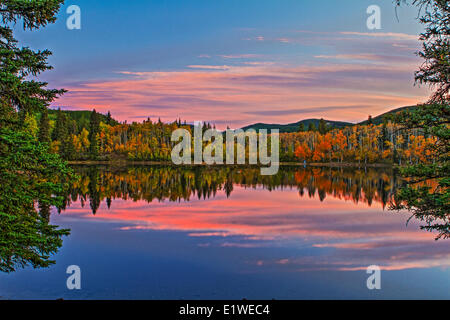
322, 126
109, 118
44, 127
301, 127
29, 174
94, 128
61, 133
431, 204
435, 51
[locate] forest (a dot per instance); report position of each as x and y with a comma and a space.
94, 136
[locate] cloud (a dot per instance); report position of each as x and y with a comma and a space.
208, 67
390, 35
371, 71
306, 110
367, 56
239, 56
223, 93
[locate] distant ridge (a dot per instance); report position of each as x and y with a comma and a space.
379, 119
294, 127
82, 118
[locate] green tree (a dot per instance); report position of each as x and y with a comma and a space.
435, 47
311, 126
109, 118
44, 128
60, 131
322, 126
94, 129
431, 204
29, 174
384, 136
301, 127
18, 94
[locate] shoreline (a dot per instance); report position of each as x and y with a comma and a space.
168, 163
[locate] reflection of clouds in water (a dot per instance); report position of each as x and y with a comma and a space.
340, 235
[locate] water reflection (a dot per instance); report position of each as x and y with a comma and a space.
161, 232
159, 183
338, 213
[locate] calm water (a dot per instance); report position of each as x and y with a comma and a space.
227, 233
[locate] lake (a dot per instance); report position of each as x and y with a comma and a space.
165, 232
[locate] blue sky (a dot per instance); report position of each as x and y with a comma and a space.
151, 47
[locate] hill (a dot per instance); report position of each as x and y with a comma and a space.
293, 127
379, 119
81, 118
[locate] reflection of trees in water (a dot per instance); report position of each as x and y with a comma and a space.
151, 183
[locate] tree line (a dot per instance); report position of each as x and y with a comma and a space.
103, 138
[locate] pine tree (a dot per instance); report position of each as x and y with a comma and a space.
109, 118
29, 174
301, 127
44, 128
94, 128
322, 126
431, 205
59, 133
435, 47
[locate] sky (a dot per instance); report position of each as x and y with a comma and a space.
233, 63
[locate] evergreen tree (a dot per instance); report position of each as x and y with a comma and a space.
431, 205
322, 126
94, 128
69, 148
60, 132
301, 127
311, 127
435, 47
109, 118
29, 174
44, 127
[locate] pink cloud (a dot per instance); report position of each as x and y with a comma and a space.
359, 80
389, 35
